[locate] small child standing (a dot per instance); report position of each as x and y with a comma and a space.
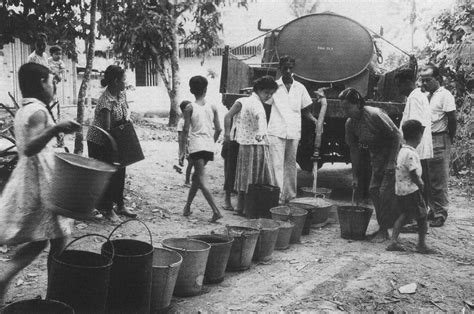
199, 119
409, 187
56, 65
183, 146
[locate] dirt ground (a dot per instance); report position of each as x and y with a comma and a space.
322, 273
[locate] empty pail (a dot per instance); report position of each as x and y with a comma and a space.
259, 199
284, 235
191, 273
354, 221
131, 273
218, 256
295, 215
38, 306
266, 239
166, 264
243, 247
80, 278
77, 184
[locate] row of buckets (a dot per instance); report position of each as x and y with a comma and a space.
132, 276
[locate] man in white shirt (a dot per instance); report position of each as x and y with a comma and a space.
443, 130
39, 55
417, 108
290, 101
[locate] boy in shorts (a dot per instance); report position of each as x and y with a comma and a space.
202, 128
409, 187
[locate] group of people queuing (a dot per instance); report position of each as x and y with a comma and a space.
259, 146
409, 163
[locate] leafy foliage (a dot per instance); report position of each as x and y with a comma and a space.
59, 20
452, 50
151, 30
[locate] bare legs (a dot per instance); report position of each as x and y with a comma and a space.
188, 171
199, 182
240, 203
422, 229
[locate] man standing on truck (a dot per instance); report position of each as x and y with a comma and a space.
443, 130
290, 101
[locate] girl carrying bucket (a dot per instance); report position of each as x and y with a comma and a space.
24, 214
253, 161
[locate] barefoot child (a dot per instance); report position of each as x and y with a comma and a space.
199, 119
183, 146
409, 186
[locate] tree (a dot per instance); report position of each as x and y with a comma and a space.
63, 23
152, 31
90, 44
303, 7
452, 50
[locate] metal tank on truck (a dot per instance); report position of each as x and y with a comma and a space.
331, 51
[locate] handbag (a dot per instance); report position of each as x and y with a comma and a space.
128, 145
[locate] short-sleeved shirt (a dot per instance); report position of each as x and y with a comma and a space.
441, 102
252, 121
418, 108
407, 161
285, 118
118, 108
35, 58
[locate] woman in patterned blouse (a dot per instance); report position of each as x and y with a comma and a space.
110, 112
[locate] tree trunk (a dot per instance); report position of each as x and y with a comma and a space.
78, 143
175, 79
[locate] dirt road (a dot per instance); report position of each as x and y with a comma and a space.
324, 272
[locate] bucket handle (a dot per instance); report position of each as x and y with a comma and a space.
126, 221
85, 236
113, 143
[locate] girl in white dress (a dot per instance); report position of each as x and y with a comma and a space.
24, 214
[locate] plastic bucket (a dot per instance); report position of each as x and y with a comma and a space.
243, 247
166, 264
319, 207
191, 273
78, 183
218, 256
295, 215
284, 235
80, 278
267, 238
38, 306
259, 199
353, 221
131, 274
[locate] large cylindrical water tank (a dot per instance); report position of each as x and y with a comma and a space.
327, 47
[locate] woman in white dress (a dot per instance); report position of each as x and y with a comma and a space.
253, 160
24, 215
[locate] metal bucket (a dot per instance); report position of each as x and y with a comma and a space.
38, 306
267, 238
166, 264
259, 199
191, 273
319, 207
243, 247
80, 278
131, 274
353, 221
218, 256
293, 214
78, 184
284, 235
307, 191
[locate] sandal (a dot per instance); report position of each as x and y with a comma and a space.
215, 218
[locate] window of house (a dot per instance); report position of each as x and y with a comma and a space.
146, 74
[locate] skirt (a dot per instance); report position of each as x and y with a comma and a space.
253, 167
